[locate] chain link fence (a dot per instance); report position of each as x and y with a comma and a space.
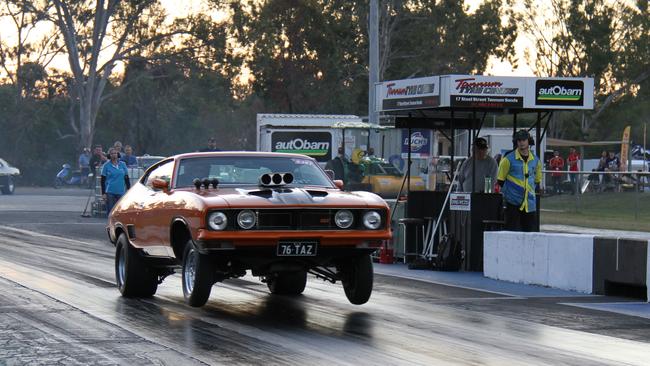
606, 199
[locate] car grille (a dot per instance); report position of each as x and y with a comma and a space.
299, 219
295, 219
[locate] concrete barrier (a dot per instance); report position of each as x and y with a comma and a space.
576, 262
557, 260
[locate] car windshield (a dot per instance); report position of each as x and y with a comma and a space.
390, 169
247, 170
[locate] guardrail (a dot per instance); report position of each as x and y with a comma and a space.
587, 186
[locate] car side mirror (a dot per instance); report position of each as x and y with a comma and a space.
330, 173
339, 184
160, 184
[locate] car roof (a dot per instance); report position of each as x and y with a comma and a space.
239, 153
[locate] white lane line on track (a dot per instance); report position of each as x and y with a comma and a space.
426, 280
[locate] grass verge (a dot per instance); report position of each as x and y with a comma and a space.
606, 210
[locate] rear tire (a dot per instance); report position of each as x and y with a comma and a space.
287, 283
133, 277
357, 279
9, 187
198, 276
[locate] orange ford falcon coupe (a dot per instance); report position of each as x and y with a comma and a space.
216, 215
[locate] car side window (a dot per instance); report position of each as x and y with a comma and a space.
163, 172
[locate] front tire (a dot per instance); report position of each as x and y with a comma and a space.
287, 283
357, 278
133, 277
9, 187
198, 276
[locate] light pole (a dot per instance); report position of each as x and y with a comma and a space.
373, 60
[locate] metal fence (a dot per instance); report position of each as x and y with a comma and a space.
602, 191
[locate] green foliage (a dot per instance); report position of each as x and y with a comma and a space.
305, 56
440, 37
606, 40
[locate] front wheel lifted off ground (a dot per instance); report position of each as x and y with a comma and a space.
198, 276
287, 283
133, 277
357, 278
9, 185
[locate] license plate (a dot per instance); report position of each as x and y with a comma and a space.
297, 248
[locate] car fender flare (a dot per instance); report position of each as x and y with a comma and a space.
118, 227
175, 244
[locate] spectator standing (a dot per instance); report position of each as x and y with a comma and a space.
602, 166
96, 161
128, 158
339, 165
84, 164
572, 160
115, 180
519, 175
486, 166
602, 161
557, 165
118, 147
212, 145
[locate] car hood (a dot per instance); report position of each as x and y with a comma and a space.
9, 170
267, 197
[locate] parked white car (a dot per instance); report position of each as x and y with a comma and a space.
8, 176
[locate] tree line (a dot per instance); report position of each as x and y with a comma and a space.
76, 73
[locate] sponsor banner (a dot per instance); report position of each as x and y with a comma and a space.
460, 201
625, 147
486, 91
559, 92
408, 94
420, 143
318, 145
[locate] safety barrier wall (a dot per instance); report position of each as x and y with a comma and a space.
584, 263
557, 260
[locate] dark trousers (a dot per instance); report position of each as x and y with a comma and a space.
517, 220
574, 184
557, 184
111, 200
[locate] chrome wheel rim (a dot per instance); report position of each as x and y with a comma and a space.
189, 271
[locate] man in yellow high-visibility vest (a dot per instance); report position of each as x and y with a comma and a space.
519, 175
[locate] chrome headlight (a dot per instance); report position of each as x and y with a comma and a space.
372, 220
343, 219
246, 219
217, 220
